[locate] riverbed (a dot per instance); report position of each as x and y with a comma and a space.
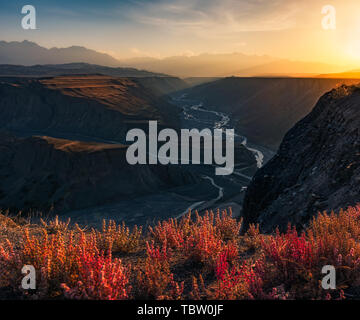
210, 192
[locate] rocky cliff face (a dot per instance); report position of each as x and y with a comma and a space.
316, 168
40, 172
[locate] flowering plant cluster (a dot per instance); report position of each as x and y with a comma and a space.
195, 257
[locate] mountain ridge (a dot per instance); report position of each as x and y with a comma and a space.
316, 168
41, 70
203, 65
30, 53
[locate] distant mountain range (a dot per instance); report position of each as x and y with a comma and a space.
234, 64
29, 53
204, 65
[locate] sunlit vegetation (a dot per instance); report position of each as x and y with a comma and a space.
195, 257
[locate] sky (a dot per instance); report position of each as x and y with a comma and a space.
289, 29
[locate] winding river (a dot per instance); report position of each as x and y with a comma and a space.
195, 115
222, 123
210, 192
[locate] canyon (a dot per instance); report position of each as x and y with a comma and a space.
63, 146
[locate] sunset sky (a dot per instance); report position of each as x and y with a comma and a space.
159, 28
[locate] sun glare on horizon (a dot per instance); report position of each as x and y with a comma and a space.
142, 30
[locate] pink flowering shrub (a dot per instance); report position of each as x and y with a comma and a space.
100, 277
200, 257
65, 262
243, 281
